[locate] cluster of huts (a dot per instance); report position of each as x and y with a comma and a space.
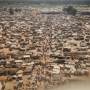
46, 46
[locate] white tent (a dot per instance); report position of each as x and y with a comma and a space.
18, 61
0, 86
56, 67
20, 72
55, 71
19, 75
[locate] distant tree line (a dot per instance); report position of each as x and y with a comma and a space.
11, 10
52, 2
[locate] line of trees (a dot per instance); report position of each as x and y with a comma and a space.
11, 10
47, 1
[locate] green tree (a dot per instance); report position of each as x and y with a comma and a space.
11, 11
5, 9
71, 10
17, 10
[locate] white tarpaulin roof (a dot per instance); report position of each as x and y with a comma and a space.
56, 67
19, 72
0, 86
56, 71
26, 56
18, 61
19, 75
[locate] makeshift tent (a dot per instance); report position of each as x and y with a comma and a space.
20, 72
